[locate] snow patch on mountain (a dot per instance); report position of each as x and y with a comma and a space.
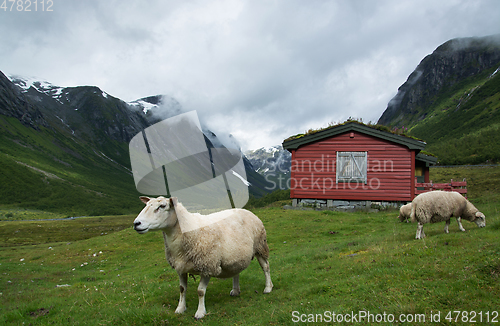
64, 123
41, 86
245, 181
495, 72
143, 105
58, 93
273, 159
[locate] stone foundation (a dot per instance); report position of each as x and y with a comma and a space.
343, 205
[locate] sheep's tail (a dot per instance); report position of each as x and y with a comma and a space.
413, 212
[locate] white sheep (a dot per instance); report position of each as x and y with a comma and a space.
438, 206
404, 212
217, 245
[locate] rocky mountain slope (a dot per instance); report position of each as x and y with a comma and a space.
452, 101
450, 64
66, 148
273, 163
273, 159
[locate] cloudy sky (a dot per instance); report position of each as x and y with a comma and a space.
260, 70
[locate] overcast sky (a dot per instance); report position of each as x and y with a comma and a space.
260, 70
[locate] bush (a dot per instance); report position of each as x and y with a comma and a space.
277, 195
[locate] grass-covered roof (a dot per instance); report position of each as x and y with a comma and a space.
380, 131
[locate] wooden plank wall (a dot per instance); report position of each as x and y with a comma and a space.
389, 170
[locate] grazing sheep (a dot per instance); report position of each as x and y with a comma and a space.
217, 245
404, 213
438, 206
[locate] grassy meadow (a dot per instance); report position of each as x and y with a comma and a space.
98, 271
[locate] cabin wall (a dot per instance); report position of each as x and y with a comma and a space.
390, 172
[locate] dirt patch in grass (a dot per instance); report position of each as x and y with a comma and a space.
39, 312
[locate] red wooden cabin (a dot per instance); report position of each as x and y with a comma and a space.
356, 162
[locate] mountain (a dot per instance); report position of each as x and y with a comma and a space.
273, 163
452, 101
86, 112
272, 159
65, 149
161, 107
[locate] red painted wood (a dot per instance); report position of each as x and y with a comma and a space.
390, 170
426, 174
412, 179
458, 186
461, 190
292, 191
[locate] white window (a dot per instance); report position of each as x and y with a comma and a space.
351, 166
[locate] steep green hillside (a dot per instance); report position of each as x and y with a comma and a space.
45, 170
461, 127
451, 100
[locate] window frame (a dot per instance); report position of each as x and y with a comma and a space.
362, 168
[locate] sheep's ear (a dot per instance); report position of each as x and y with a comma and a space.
173, 201
144, 199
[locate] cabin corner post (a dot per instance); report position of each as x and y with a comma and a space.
426, 175
412, 176
292, 176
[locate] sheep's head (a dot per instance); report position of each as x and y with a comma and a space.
158, 214
404, 213
480, 220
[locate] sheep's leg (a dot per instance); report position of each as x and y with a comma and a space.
460, 224
446, 226
236, 286
183, 288
264, 264
420, 231
202, 288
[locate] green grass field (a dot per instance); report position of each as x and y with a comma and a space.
320, 261
98, 271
